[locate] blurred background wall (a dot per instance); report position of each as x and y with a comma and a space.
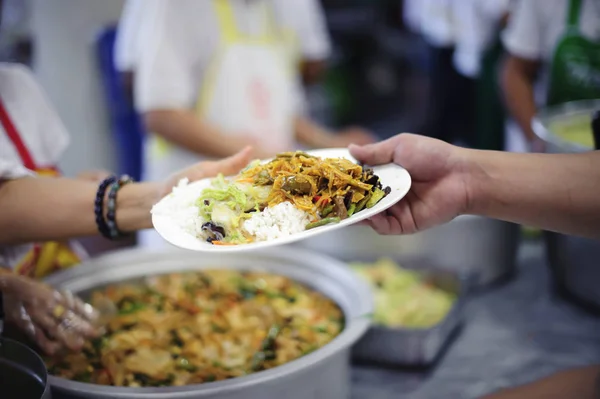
65, 62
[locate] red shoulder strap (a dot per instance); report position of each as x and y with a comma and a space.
15, 137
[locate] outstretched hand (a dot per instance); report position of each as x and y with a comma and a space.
439, 191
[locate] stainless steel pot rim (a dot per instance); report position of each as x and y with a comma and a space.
356, 326
562, 110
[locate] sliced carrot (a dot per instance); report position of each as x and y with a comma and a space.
222, 243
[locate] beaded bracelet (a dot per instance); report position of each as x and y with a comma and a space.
99, 206
111, 220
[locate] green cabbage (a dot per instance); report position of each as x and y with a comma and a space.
402, 298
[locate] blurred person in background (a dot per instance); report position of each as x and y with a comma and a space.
477, 57
307, 35
554, 58
134, 25
411, 13
216, 76
311, 44
448, 90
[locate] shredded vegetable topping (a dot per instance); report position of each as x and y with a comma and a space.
192, 328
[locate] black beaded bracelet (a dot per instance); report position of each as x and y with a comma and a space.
99, 206
111, 217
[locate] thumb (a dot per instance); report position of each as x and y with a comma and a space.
377, 153
227, 166
236, 162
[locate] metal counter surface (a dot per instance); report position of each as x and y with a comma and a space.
514, 334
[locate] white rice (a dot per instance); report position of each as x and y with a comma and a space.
279, 221
181, 207
282, 220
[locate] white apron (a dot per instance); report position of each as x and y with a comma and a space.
248, 89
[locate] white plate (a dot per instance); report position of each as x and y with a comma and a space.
394, 176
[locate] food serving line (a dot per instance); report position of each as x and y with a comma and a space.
456, 331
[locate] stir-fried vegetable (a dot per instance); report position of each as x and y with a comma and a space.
313, 184
326, 190
182, 329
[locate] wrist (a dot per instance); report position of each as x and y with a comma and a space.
134, 203
476, 178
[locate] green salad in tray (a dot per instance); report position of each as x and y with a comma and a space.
404, 298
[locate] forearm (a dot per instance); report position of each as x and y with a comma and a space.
311, 134
185, 129
41, 209
519, 96
557, 192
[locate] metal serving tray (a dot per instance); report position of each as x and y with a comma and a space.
416, 347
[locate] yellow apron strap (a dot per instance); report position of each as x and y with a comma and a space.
271, 34
227, 21
230, 34
272, 30
227, 27
277, 34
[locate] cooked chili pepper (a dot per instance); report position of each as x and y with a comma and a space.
317, 198
297, 184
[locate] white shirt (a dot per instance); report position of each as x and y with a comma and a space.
537, 25
437, 22
307, 20
39, 127
305, 17
479, 22
134, 26
411, 13
183, 42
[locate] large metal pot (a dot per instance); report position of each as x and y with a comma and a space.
321, 374
573, 260
574, 265
483, 249
23, 374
